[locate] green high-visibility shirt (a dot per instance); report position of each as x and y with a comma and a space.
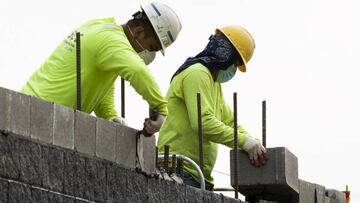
180, 129
106, 54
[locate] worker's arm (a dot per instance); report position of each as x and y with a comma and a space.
106, 108
214, 129
128, 65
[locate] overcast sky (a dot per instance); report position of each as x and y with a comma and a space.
305, 65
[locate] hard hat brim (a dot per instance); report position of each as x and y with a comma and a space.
242, 68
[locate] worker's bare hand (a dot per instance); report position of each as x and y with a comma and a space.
257, 152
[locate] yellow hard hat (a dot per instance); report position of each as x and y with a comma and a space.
241, 40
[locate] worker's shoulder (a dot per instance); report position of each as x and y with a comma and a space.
196, 71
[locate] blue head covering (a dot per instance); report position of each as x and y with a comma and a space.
218, 54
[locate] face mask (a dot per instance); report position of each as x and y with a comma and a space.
226, 75
146, 55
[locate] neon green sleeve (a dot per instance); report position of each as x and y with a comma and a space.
106, 108
127, 64
215, 130
228, 118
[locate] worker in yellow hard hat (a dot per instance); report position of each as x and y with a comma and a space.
109, 50
228, 50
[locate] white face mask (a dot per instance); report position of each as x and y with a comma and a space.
146, 55
226, 75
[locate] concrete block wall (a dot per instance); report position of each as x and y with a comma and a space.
58, 125
51, 153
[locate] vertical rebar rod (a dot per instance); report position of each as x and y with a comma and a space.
235, 146
264, 123
200, 135
180, 167
166, 158
122, 98
78, 72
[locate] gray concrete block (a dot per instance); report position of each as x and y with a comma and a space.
320, 193
116, 183
38, 195
52, 168
9, 153
160, 190
85, 131
307, 192
227, 199
327, 200
19, 109
278, 176
74, 168
136, 187
194, 194
105, 139
4, 189
41, 120
4, 109
19, 193
125, 149
211, 197
63, 127
30, 162
335, 196
148, 151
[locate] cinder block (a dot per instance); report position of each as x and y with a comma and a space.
278, 176
4, 189
52, 168
105, 139
194, 194
19, 110
85, 130
19, 193
63, 127
335, 196
125, 146
30, 162
211, 197
41, 120
148, 150
4, 109
327, 200
307, 192
9, 153
320, 193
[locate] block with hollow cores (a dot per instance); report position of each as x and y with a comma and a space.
105, 139
125, 146
278, 176
63, 126
41, 120
85, 130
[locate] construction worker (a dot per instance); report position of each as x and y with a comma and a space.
109, 50
228, 50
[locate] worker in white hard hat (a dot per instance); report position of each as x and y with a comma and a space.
109, 50
229, 49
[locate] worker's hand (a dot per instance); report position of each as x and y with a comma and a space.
119, 120
256, 151
151, 126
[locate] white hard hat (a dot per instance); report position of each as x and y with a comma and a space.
165, 22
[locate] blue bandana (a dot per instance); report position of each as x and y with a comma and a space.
218, 54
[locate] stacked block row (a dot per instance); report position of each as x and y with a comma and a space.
58, 125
